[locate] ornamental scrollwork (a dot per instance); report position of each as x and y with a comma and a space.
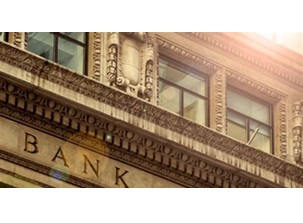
131, 63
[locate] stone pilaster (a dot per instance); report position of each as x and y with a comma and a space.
94, 55
19, 39
297, 131
217, 100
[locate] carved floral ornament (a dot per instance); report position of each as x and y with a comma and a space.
297, 131
130, 64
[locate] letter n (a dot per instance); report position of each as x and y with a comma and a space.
95, 169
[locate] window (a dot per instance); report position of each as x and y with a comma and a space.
249, 120
3, 36
183, 91
67, 49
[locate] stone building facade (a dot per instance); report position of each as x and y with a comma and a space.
149, 110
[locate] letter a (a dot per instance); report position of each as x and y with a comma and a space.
60, 157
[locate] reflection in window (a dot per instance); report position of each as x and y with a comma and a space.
249, 120
183, 92
67, 49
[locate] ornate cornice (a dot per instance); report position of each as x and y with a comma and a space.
174, 48
140, 109
164, 160
249, 57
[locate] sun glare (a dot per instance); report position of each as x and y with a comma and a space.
290, 40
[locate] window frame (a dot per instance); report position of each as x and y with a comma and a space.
84, 44
185, 68
247, 118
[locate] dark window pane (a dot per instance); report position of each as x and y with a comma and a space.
71, 55
41, 44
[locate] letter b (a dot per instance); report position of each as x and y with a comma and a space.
31, 143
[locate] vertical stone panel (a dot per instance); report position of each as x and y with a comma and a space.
283, 129
148, 69
217, 101
130, 63
297, 132
112, 59
94, 55
19, 39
